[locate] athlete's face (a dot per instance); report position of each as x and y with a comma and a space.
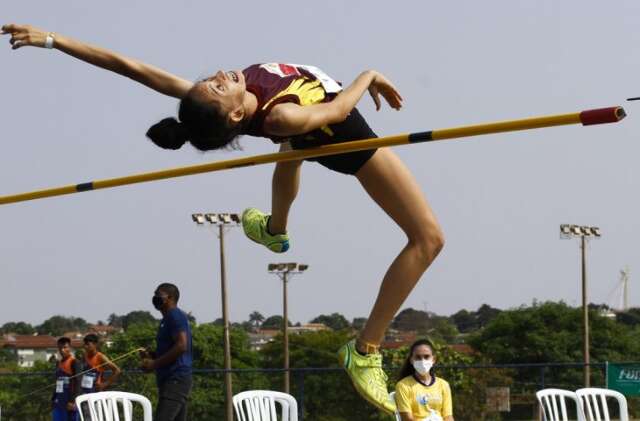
65, 350
225, 90
422, 352
90, 348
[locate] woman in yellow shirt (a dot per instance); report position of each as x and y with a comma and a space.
420, 395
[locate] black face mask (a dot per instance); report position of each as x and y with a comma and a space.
158, 302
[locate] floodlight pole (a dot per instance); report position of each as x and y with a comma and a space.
282, 270
568, 231
225, 322
285, 331
585, 313
221, 220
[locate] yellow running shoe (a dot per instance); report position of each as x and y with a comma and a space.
367, 376
254, 224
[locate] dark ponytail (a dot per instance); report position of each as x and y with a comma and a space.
168, 134
201, 124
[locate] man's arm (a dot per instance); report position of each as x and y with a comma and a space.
179, 347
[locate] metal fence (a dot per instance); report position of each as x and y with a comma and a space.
325, 394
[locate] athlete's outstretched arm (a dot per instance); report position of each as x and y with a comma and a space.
289, 119
151, 76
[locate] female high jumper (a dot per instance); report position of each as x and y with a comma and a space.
296, 107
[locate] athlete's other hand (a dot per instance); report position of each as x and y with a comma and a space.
23, 35
382, 86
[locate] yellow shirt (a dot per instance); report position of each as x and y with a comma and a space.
422, 401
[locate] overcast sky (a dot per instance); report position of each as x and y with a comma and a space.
499, 198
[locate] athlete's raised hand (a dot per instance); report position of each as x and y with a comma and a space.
23, 35
382, 86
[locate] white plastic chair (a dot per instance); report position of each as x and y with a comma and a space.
594, 402
260, 405
104, 406
554, 406
82, 401
392, 396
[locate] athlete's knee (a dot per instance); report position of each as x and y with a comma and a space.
429, 242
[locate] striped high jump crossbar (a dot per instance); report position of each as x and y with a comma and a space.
586, 118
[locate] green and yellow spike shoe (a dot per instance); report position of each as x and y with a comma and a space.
254, 224
367, 376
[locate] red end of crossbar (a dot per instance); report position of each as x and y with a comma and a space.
602, 115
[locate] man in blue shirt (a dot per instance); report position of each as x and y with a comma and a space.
173, 357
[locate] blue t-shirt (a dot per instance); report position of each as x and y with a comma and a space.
174, 322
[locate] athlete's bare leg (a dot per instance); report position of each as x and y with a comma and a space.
284, 189
391, 185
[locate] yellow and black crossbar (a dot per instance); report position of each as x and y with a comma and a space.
586, 118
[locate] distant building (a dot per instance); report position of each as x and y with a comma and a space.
607, 313
31, 348
461, 348
259, 339
395, 339
104, 330
309, 327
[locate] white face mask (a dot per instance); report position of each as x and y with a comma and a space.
423, 366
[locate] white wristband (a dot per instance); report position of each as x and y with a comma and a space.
48, 43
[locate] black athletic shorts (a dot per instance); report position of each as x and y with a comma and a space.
353, 128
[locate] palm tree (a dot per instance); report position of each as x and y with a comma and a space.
256, 318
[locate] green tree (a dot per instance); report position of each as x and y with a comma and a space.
425, 323
256, 318
58, 325
27, 395
630, 317
207, 399
138, 317
138, 335
115, 320
485, 314
465, 321
7, 357
19, 328
273, 322
441, 328
552, 332
358, 323
335, 321
411, 319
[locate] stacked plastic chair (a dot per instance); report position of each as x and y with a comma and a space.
594, 403
554, 404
